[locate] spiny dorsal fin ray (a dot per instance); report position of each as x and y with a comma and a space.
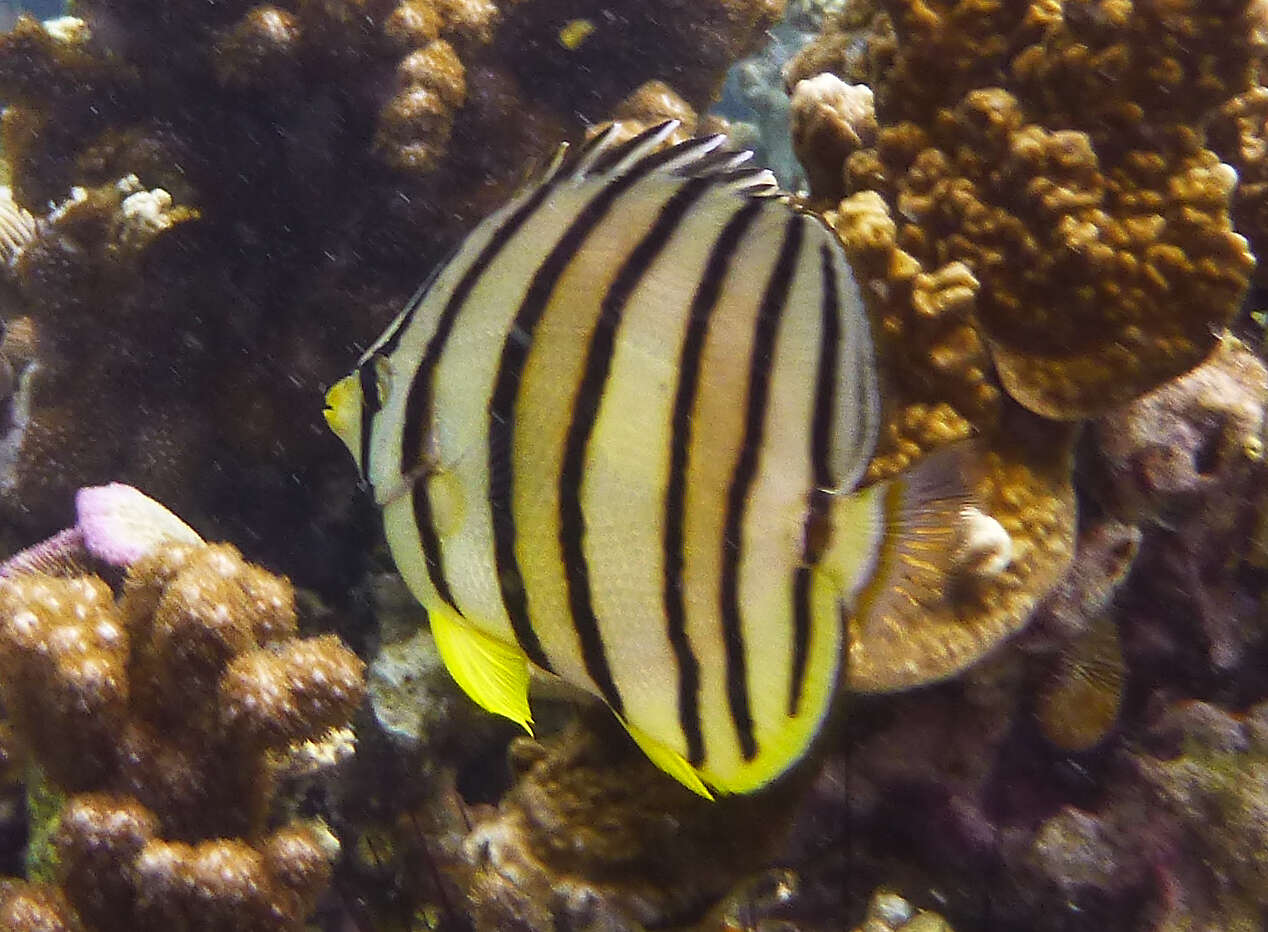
698, 157
617, 159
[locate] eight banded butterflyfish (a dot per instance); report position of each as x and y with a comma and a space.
618, 435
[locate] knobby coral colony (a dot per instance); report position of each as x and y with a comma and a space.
156, 723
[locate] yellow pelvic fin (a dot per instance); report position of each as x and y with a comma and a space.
493, 673
343, 413
668, 760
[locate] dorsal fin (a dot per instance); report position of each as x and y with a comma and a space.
699, 157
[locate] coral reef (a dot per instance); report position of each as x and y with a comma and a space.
234, 197
165, 716
1095, 223
1024, 484
1106, 772
588, 823
581, 831
889, 912
1034, 199
34, 908
1186, 462
1016, 248
415, 700
1182, 826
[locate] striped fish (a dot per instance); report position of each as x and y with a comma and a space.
615, 436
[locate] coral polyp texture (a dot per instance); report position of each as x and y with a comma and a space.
1059, 152
589, 830
161, 713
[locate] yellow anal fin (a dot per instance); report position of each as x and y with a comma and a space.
668, 760
493, 673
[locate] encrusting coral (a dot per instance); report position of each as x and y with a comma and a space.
165, 714
1181, 828
1186, 463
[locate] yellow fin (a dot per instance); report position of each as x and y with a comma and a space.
668, 760
493, 673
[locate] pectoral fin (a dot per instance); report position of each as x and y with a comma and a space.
493, 673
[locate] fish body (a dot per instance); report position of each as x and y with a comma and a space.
617, 436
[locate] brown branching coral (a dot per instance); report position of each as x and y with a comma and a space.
119, 875
415, 126
162, 713
938, 372
941, 391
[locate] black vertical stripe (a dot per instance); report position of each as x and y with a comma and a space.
367, 378
515, 349
585, 412
419, 400
774, 301
820, 454
826, 372
703, 302
801, 635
